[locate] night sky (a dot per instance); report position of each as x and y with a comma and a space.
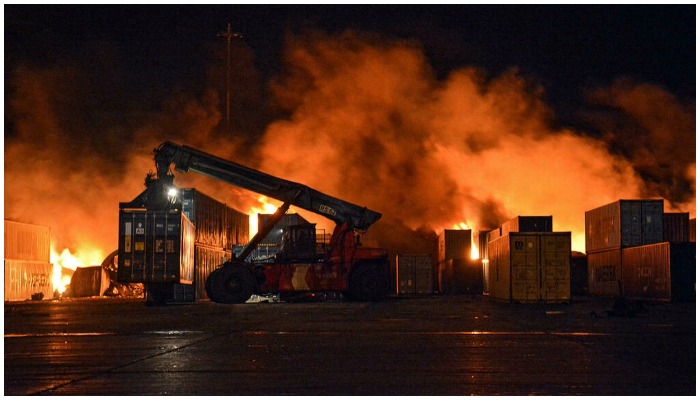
456, 113
567, 49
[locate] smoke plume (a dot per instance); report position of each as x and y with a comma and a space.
368, 121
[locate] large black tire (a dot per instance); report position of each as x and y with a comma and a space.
208, 285
232, 285
368, 283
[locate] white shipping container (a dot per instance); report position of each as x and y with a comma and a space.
27, 242
23, 279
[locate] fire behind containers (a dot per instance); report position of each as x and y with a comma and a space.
636, 250
173, 249
460, 269
28, 268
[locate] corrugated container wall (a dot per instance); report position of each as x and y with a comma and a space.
531, 267
217, 224
26, 278
454, 243
206, 260
691, 233
155, 246
662, 271
676, 227
624, 223
27, 242
527, 224
414, 274
605, 273
579, 273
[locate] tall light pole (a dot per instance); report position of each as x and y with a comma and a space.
229, 35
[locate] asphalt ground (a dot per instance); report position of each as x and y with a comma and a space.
430, 346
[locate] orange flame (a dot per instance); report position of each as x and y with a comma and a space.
84, 256
475, 238
265, 207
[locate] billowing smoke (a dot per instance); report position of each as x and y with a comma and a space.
370, 122
367, 121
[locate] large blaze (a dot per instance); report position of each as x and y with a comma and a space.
66, 262
365, 120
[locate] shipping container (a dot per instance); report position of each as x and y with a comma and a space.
88, 282
691, 232
27, 242
527, 224
531, 267
206, 260
155, 246
579, 273
624, 223
461, 276
605, 273
676, 227
217, 224
414, 274
454, 243
659, 272
25, 280
494, 234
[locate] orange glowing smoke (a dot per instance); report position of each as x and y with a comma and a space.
365, 120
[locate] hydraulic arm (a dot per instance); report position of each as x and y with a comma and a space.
189, 159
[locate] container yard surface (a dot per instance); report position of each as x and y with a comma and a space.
437, 345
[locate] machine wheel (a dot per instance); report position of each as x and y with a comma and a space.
208, 285
233, 284
367, 283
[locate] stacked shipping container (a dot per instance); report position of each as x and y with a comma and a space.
28, 268
612, 227
636, 250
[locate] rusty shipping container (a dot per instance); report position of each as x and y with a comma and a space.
27, 242
155, 246
605, 273
624, 223
676, 227
414, 274
454, 243
25, 280
527, 224
660, 272
531, 267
